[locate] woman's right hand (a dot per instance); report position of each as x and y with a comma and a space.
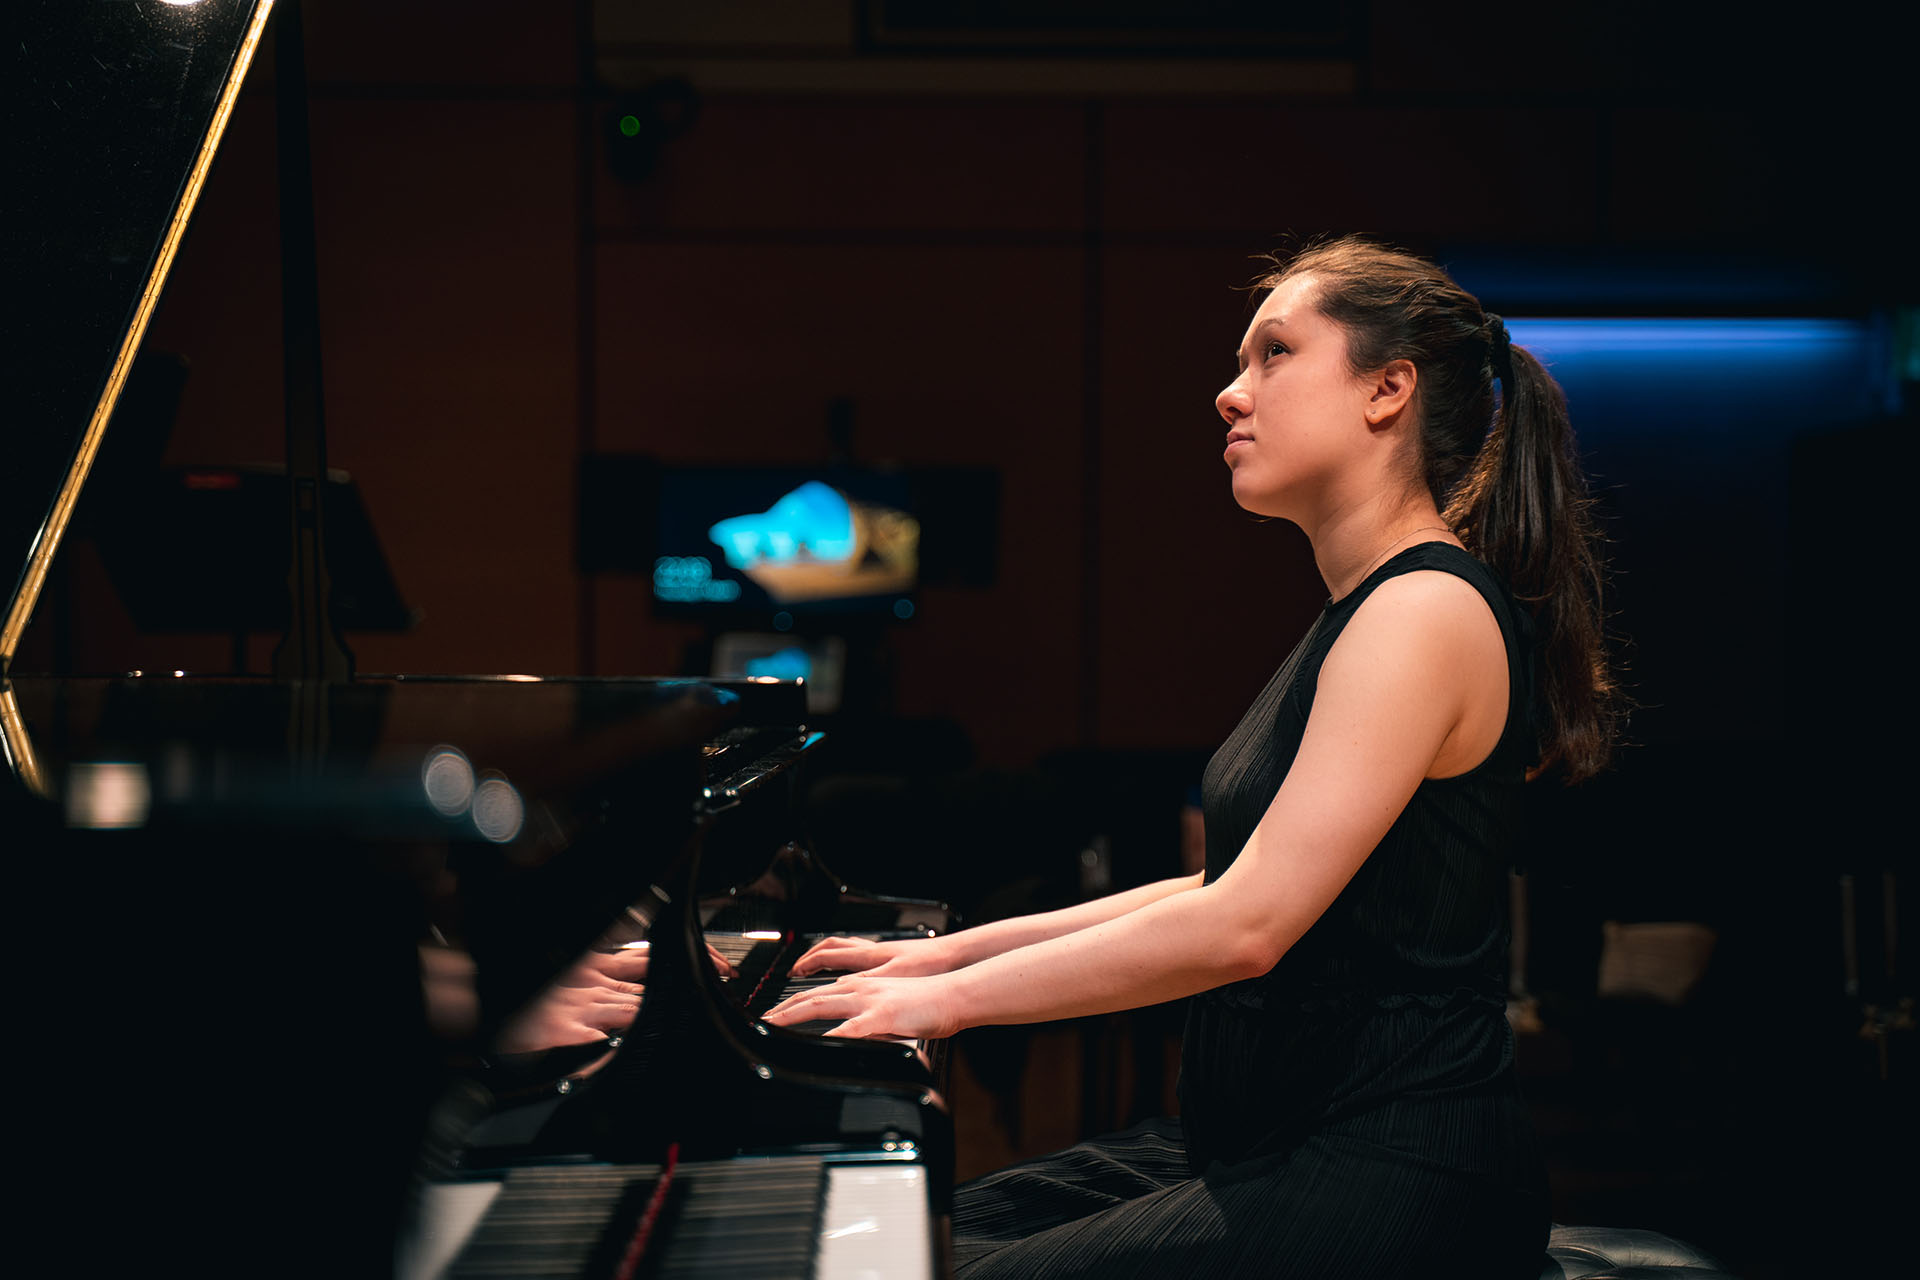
902, 958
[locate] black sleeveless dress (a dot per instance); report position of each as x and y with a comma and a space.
1354, 1111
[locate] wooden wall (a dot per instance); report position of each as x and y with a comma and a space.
1043, 283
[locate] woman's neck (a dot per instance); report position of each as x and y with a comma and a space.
1352, 544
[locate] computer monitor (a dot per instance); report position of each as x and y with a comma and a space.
757, 548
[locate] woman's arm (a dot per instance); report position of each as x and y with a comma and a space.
1417, 656
919, 957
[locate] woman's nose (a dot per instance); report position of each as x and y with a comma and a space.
1233, 403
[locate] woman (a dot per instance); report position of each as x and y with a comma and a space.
1348, 1103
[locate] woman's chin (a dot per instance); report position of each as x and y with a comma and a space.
1256, 499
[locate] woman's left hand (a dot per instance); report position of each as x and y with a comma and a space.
876, 1008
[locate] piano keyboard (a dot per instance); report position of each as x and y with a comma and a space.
768, 1217
761, 962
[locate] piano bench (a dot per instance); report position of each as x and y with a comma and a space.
1624, 1253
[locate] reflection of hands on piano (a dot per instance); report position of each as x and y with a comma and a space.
595, 997
446, 982
874, 1008
627, 964
588, 1002
900, 958
572, 1012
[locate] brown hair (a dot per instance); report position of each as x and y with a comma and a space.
1504, 470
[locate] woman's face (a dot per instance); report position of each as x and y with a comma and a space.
1295, 413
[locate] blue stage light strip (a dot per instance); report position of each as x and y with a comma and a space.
1771, 374
1741, 337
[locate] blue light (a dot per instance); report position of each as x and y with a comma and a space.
783, 621
690, 578
1709, 376
903, 608
813, 522
790, 663
1692, 336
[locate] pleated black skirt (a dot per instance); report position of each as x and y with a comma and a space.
1339, 1204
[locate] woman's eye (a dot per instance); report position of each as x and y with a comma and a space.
1274, 349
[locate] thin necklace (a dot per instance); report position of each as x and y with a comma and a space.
1381, 558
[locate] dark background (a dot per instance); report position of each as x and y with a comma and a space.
1018, 251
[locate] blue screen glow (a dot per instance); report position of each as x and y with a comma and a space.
791, 663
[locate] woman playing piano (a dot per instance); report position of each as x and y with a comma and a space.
1348, 1102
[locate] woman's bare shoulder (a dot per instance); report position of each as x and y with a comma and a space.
1440, 635
1426, 605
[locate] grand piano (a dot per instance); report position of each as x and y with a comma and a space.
365, 974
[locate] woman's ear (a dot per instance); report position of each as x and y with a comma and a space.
1390, 391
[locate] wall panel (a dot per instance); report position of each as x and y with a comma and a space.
814, 166
1198, 601
1257, 170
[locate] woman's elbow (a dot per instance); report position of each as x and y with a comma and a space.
1251, 953
1248, 935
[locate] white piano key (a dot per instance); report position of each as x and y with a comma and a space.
876, 1224
449, 1212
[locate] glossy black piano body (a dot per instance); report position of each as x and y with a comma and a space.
698, 1080
217, 930
250, 916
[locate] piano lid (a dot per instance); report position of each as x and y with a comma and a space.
116, 112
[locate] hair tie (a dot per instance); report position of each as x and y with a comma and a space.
1499, 349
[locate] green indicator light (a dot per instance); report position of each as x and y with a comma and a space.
630, 126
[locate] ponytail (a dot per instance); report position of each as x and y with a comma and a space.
1504, 471
1522, 507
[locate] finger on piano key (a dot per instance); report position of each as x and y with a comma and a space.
840, 952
